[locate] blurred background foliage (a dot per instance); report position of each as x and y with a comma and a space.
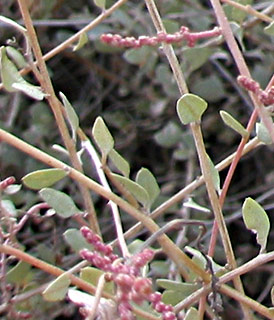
135, 93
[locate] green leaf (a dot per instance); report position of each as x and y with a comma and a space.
75, 240
215, 175
71, 115
190, 203
135, 189
12, 189
92, 275
169, 135
43, 178
13, 81
58, 289
269, 29
60, 202
16, 56
263, 134
83, 39
102, 136
138, 56
190, 108
192, 314
147, 180
256, 220
19, 273
30, 90
238, 33
194, 58
176, 291
9, 72
100, 3
120, 163
211, 88
45, 253
233, 123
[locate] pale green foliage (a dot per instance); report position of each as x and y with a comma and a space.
58, 289
190, 108
256, 220
43, 178
60, 202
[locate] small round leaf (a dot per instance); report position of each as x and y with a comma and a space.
190, 108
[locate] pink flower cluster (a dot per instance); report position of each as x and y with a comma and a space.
265, 96
184, 34
131, 287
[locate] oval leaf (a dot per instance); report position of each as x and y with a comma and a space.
135, 189
147, 180
92, 275
100, 3
60, 202
233, 123
76, 240
192, 314
256, 220
16, 56
120, 163
43, 178
102, 136
190, 108
71, 115
58, 289
263, 134
9, 72
30, 90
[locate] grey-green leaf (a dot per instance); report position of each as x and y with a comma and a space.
16, 56
13, 81
57, 290
263, 134
83, 39
30, 90
190, 108
233, 123
135, 189
71, 115
120, 163
76, 240
92, 275
60, 202
43, 178
100, 3
256, 220
215, 175
192, 314
190, 203
102, 136
147, 180
9, 72
269, 29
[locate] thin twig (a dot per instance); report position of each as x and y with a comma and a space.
57, 110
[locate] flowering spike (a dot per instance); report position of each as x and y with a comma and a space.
161, 37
